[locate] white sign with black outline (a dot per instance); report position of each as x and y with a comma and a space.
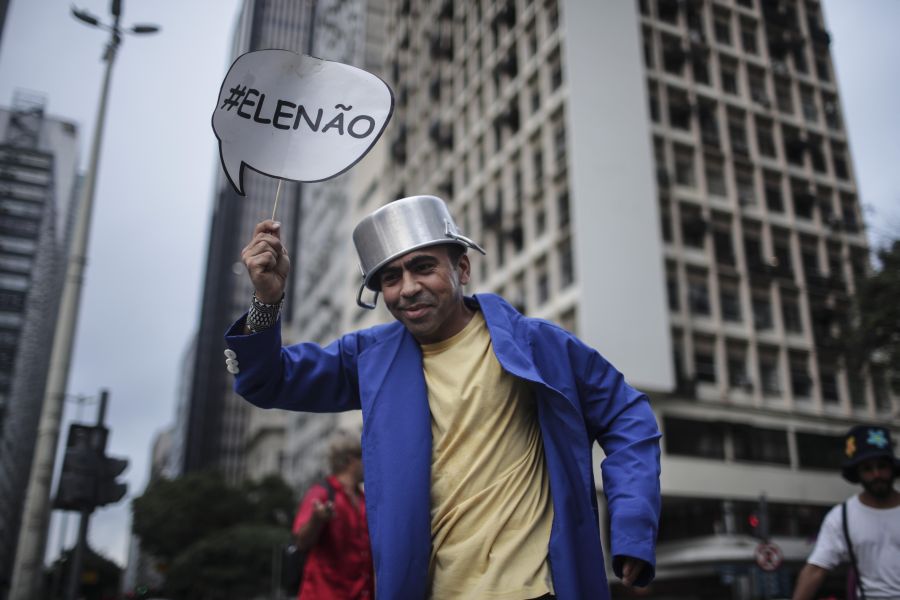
297, 117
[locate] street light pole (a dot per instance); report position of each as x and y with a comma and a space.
29, 561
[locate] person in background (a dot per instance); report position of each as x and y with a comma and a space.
478, 422
870, 519
331, 529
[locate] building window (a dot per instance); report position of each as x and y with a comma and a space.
552, 16
537, 161
783, 95
709, 123
667, 10
738, 133
762, 310
748, 36
684, 166
764, 140
801, 383
715, 176
722, 27
808, 103
730, 299
562, 209
756, 81
653, 96
674, 55
535, 94
774, 200
705, 360
756, 444
672, 287
556, 74
698, 292
540, 221
700, 67
814, 145
665, 217
693, 226
819, 451
839, 159
881, 389
794, 146
799, 56
679, 110
559, 142
768, 372
790, 312
746, 190
823, 71
685, 518
804, 201
531, 36
783, 263
848, 214
729, 77
723, 244
828, 383
566, 265
738, 378
694, 438
542, 280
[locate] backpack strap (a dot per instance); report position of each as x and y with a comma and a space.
862, 592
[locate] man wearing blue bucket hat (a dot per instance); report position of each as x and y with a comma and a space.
478, 423
864, 530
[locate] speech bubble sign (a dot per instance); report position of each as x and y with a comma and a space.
297, 117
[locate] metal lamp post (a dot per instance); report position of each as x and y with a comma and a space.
29, 562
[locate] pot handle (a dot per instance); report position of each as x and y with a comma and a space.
362, 303
448, 231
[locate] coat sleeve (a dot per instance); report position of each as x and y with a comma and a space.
620, 419
302, 377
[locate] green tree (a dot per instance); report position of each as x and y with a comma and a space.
234, 564
172, 514
876, 338
214, 541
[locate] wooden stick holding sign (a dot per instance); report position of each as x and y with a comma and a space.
297, 117
277, 193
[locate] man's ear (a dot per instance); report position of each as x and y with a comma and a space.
464, 268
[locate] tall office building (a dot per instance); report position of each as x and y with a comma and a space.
217, 420
223, 431
38, 185
671, 181
351, 32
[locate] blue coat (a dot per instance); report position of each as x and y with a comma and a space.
580, 398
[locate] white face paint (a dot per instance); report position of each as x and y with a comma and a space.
296, 117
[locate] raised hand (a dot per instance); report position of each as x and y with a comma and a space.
267, 262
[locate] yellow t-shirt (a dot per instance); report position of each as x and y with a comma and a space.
491, 511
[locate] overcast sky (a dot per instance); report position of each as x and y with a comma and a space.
151, 218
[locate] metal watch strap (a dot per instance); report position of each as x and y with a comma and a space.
262, 316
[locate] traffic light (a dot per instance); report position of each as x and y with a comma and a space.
79, 472
753, 521
88, 477
109, 490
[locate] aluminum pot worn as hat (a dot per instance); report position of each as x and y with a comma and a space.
862, 443
398, 228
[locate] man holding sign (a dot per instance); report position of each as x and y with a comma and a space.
478, 422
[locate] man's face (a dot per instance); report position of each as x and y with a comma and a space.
877, 476
423, 290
